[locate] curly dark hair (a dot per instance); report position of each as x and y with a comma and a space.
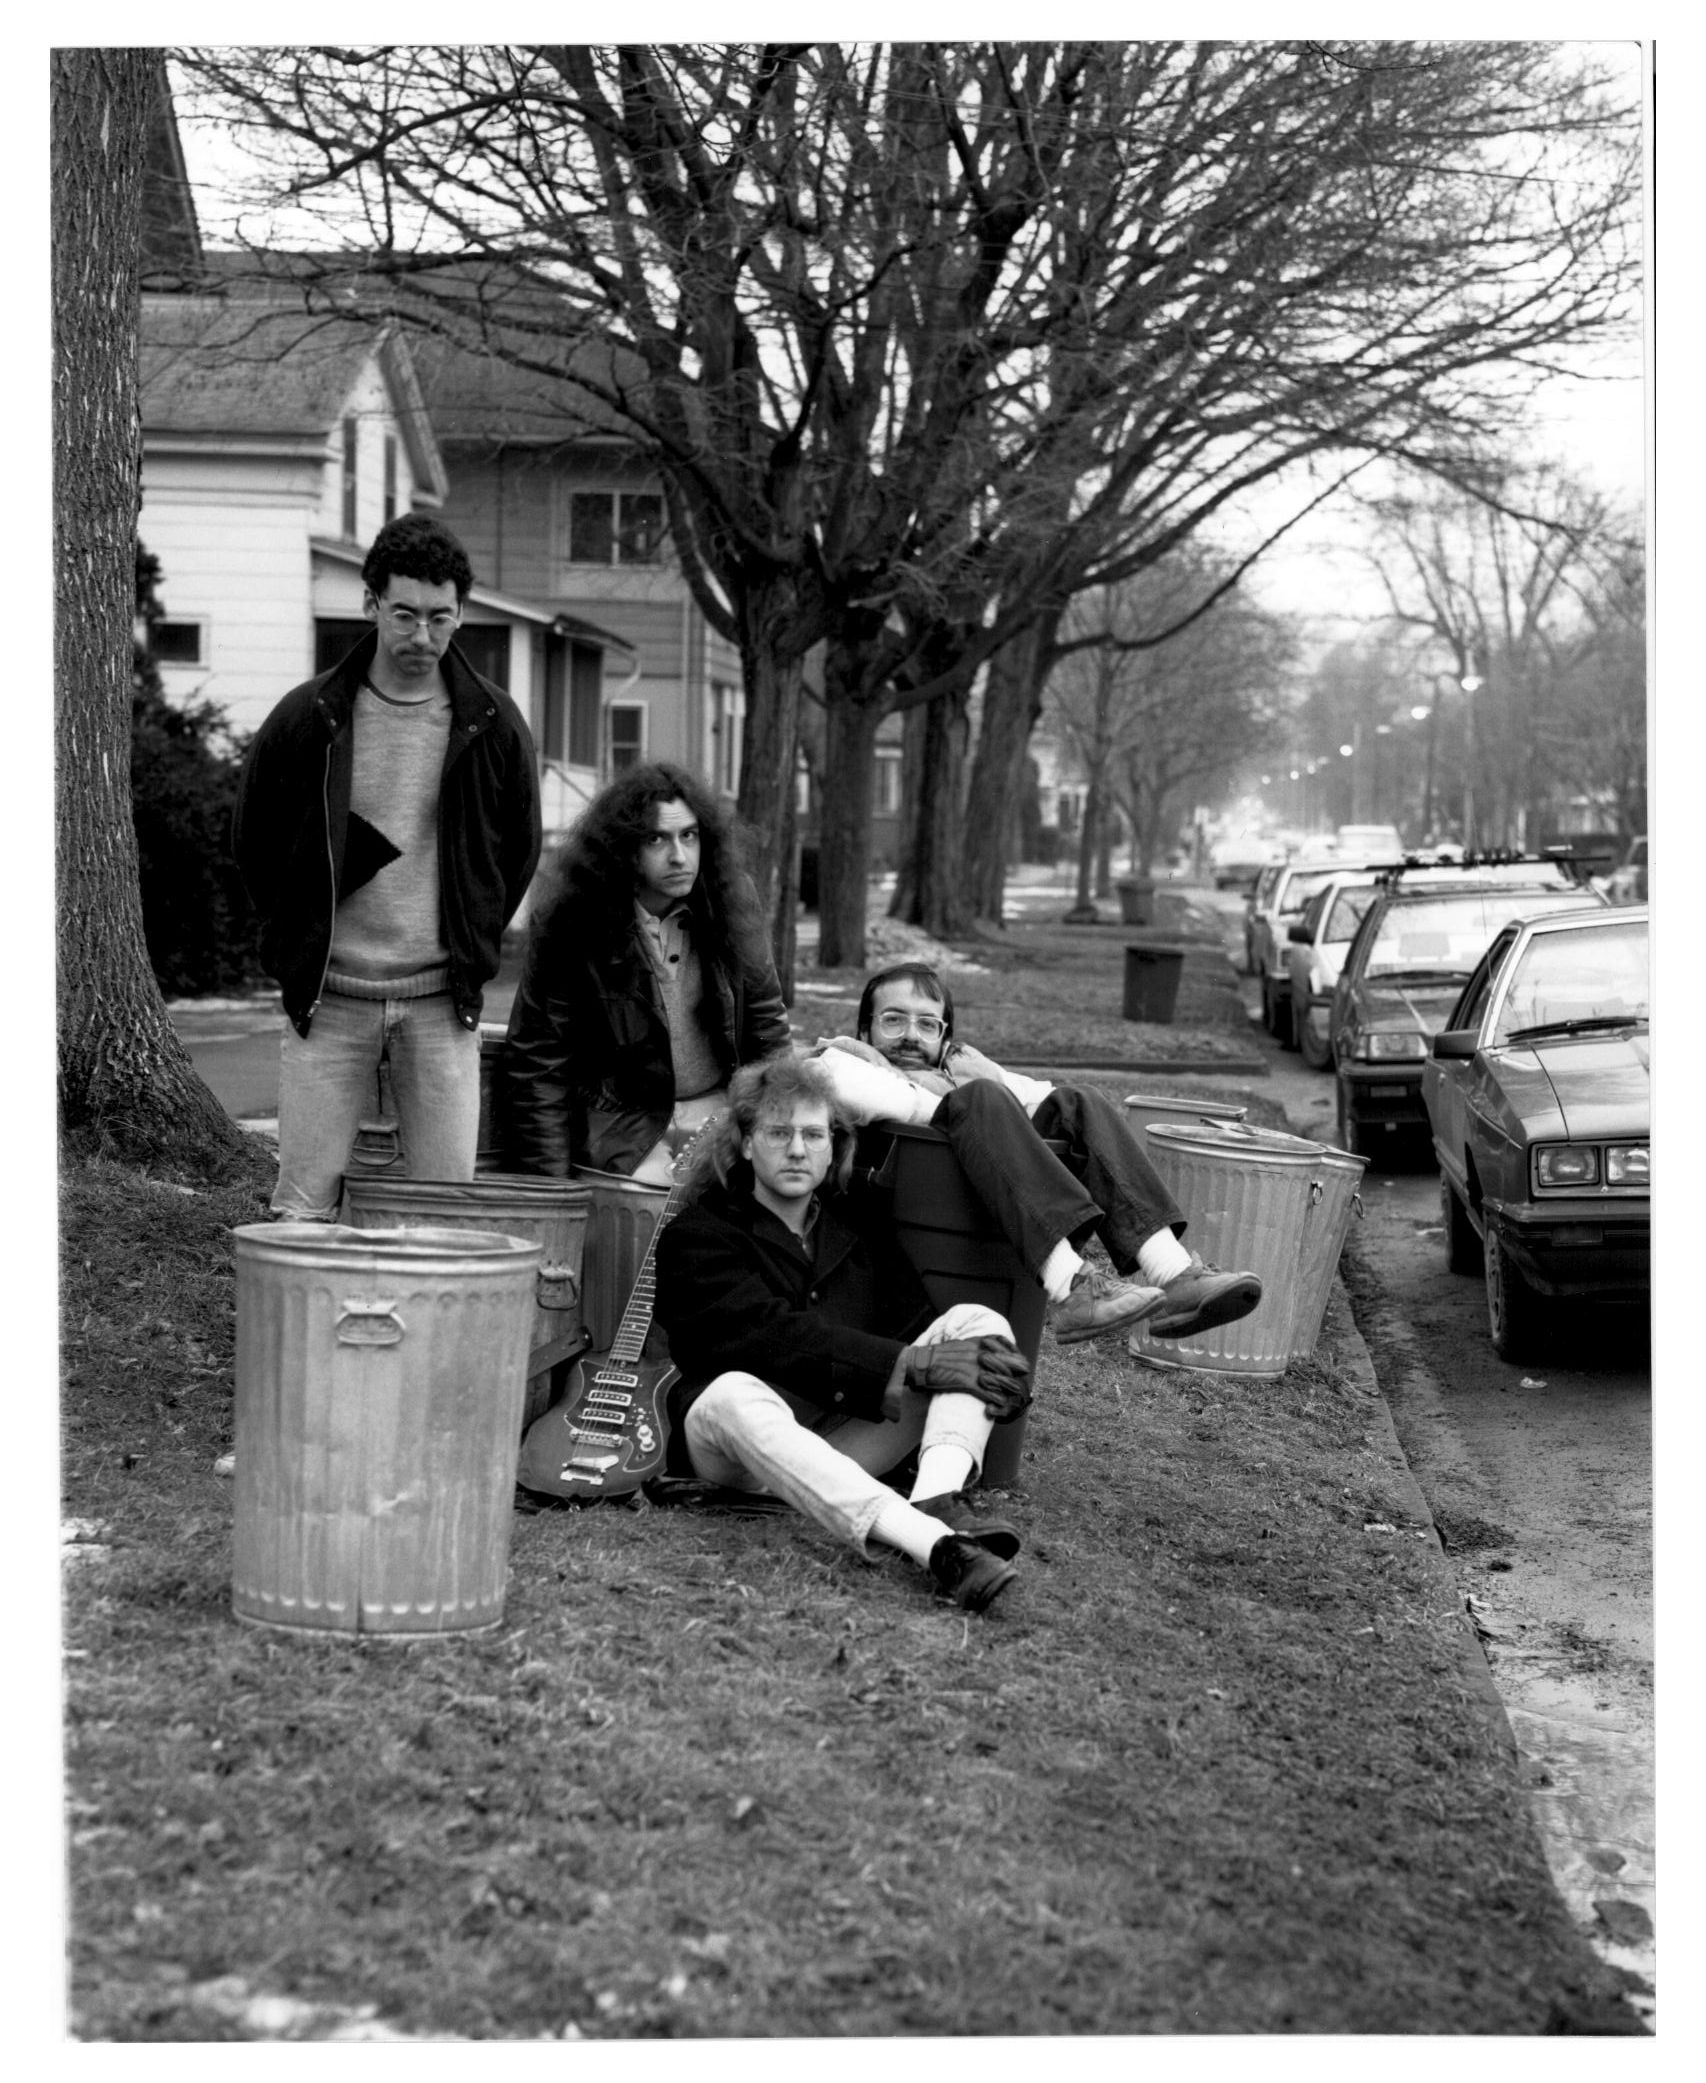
930, 981
415, 546
757, 1089
589, 891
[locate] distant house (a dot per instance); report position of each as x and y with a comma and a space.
559, 509
275, 445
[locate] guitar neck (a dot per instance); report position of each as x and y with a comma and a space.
635, 1327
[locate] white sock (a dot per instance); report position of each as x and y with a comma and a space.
1161, 1257
1059, 1271
913, 1532
942, 1469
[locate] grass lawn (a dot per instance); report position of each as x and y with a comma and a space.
1213, 1765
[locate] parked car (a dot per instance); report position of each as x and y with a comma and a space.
1291, 889
1414, 951
1370, 843
1537, 1095
1316, 946
1627, 883
1253, 904
1236, 862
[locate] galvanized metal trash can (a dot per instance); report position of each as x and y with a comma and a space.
379, 1385
1259, 1201
1153, 1109
1152, 972
623, 1217
553, 1212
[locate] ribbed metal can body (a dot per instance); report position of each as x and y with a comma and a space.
622, 1218
552, 1212
1261, 1202
379, 1385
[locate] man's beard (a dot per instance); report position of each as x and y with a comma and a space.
909, 1056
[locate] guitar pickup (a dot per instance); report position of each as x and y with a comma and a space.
598, 1396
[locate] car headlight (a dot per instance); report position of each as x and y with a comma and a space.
1566, 1164
1390, 1048
1628, 1164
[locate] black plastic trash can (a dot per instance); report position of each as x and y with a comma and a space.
1152, 971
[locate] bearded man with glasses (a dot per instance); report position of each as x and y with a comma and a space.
905, 1064
811, 1361
387, 827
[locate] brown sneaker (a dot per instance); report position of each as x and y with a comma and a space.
1202, 1297
1099, 1304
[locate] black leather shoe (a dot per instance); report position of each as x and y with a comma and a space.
968, 1574
955, 1509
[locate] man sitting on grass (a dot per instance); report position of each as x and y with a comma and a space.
812, 1362
999, 1124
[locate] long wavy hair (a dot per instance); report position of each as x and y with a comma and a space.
770, 1087
589, 892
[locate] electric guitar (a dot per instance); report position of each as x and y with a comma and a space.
607, 1433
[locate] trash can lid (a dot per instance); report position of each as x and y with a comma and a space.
1156, 947
1237, 1136
1178, 1103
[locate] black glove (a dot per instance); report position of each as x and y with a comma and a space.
989, 1368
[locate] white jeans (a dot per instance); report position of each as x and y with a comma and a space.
742, 1434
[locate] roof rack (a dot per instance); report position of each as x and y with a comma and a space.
1487, 857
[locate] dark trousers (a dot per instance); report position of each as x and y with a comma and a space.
1104, 1185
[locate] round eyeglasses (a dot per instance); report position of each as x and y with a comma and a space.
894, 1023
404, 621
774, 1138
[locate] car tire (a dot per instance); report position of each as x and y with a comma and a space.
1462, 1245
1513, 1307
1317, 1054
1351, 1137
1285, 1028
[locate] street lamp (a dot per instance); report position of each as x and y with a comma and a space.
1469, 682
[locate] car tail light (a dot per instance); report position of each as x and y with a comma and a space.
1628, 1164
1566, 1164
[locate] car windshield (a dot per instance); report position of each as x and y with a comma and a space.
1448, 934
1595, 974
1303, 886
1346, 914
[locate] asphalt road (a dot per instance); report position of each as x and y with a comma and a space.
1540, 1479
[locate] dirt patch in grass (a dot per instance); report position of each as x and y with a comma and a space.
1212, 1766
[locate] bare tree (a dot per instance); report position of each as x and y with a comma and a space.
1496, 571
125, 1081
883, 308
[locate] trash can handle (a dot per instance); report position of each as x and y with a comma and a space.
1316, 1190
373, 1322
556, 1286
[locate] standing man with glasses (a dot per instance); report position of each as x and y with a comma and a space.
905, 1064
386, 828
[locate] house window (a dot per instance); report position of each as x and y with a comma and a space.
885, 793
351, 432
390, 477
725, 737
615, 527
176, 643
627, 735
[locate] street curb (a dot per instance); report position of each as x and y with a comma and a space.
1164, 1066
1355, 1359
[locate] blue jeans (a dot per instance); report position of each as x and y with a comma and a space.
329, 1082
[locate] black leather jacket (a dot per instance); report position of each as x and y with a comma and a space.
292, 816
585, 1076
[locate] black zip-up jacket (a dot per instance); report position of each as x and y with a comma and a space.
823, 1326
292, 818
585, 1076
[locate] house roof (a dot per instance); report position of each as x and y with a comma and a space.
239, 365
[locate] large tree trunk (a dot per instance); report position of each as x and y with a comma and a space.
126, 1083
942, 903
770, 672
1012, 702
844, 851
